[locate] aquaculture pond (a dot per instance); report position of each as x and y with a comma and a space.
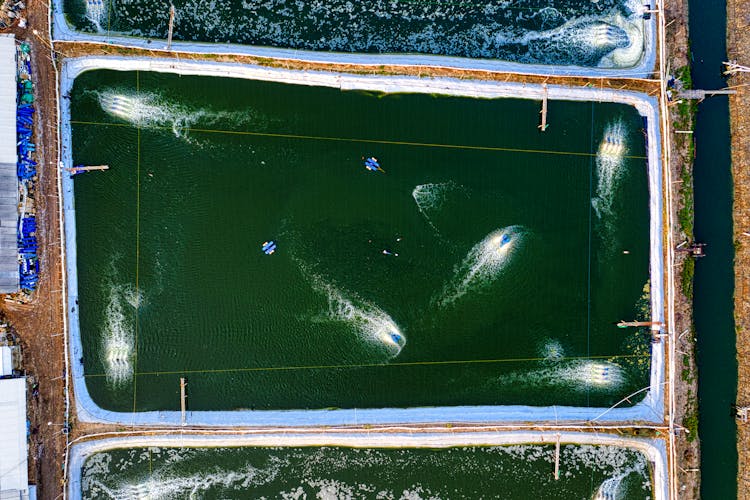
481, 263
606, 33
511, 472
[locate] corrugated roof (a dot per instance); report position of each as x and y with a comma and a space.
7, 99
6, 361
9, 279
13, 473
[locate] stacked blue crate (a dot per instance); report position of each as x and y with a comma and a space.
28, 261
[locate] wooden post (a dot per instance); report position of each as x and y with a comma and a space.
557, 458
171, 26
182, 400
87, 168
544, 125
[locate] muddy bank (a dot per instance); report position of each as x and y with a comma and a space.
682, 116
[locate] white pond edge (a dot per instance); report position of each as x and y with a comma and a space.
62, 31
650, 409
653, 449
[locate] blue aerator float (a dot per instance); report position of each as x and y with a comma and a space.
372, 164
268, 247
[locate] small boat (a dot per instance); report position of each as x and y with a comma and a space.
268, 247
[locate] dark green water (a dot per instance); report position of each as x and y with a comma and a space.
714, 274
172, 280
606, 33
509, 472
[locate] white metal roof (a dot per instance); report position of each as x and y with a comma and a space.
13, 473
8, 180
7, 99
6, 363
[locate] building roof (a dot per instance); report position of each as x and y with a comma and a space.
13, 468
6, 362
9, 278
7, 99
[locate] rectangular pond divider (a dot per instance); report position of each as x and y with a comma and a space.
28, 266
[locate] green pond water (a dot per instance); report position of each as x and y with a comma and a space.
509, 472
517, 251
607, 33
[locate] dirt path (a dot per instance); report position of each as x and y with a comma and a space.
681, 156
39, 324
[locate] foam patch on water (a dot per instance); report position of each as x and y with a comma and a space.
431, 197
372, 323
161, 486
118, 334
484, 263
605, 34
609, 168
551, 350
300, 473
150, 110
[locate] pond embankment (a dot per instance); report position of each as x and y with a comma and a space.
738, 43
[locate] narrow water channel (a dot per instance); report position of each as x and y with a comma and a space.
714, 276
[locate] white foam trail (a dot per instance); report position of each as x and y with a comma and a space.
609, 489
603, 35
373, 324
629, 55
596, 374
117, 339
149, 110
577, 40
96, 11
575, 375
484, 263
431, 197
159, 486
609, 159
145, 110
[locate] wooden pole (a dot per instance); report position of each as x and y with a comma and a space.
544, 125
557, 458
626, 324
171, 26
88, 168
182, 400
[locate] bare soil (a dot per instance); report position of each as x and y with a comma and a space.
738, 43
39, 323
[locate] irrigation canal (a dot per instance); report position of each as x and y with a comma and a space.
714, 275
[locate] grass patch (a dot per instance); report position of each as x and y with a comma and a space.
686, 277
690, 422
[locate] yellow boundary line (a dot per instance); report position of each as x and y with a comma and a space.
137, 247
370, 365
365, 141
